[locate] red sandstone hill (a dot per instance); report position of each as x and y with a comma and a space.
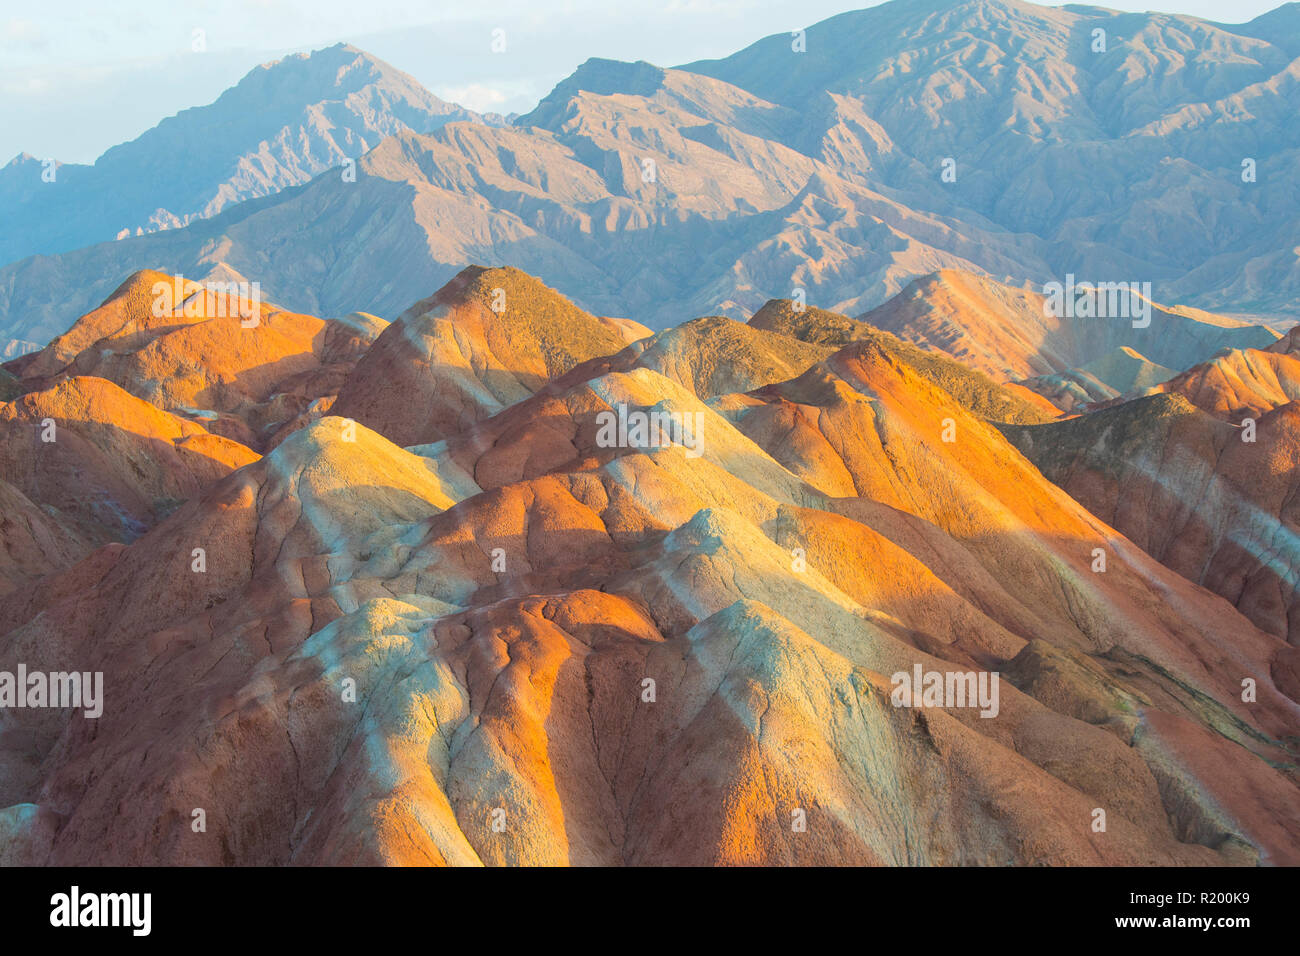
108, 462
1203, 474
487, 339
1240, 383
242, 368
513, 643
1008, 333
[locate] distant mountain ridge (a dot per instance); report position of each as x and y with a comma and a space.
282, 124
661, 194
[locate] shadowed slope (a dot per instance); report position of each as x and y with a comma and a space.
112, 464
1123, 372
33, 542
1186, 488
1202, 475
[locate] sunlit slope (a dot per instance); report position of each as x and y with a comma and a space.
522, 644
217, 354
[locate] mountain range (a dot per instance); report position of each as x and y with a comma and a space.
654, 193
510, 642
283, 124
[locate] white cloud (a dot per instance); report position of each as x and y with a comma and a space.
20, 34
476, 96
495, 96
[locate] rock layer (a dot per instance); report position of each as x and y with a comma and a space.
518, 644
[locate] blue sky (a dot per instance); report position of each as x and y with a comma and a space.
78, 76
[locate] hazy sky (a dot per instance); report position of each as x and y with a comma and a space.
78, 76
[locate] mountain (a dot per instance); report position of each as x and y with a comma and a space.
657, 193
486, 340
16, 347
240, 366
1121, 372
1240, 383
104, 462
714, 356
1012, 333
523, 642
615, 547
568, 204
1127, 370
280, 126
1183, 475
1124, 156
977, 392
36, 543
